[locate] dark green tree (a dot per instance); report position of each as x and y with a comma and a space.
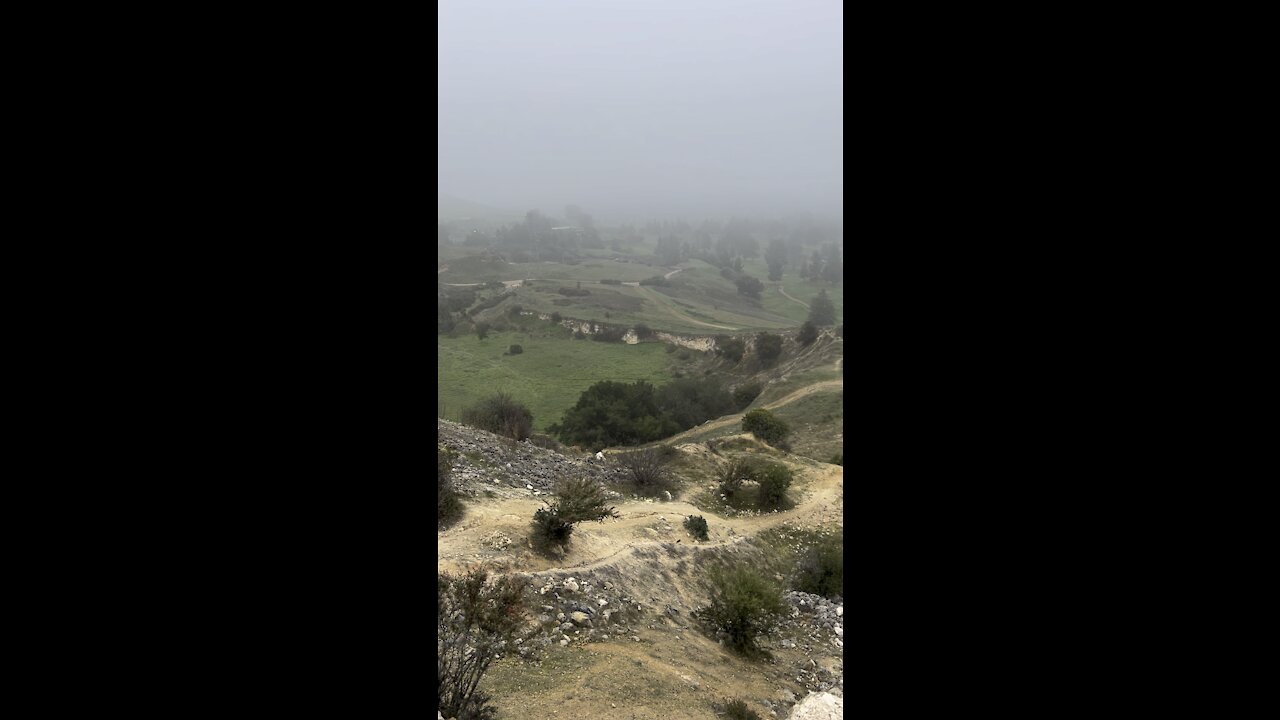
776, 256
768, 348
808, 333
821, 310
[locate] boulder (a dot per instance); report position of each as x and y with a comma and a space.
818, 706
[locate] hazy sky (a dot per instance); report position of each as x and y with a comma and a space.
630, 107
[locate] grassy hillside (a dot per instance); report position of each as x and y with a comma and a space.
547, 377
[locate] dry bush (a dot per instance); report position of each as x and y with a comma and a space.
647, 471
476, 620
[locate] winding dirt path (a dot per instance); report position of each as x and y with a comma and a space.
785, 295
640, 524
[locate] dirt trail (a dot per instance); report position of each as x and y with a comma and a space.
803, 392
785, 295
817, 489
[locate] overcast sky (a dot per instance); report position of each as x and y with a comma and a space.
632, 107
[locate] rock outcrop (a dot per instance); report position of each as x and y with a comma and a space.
818, 706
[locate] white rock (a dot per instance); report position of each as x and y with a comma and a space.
528, 487
571, 586
818, 706
840, 611
839, 630
602, 602
563, 643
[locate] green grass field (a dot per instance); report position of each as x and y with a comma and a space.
547, 377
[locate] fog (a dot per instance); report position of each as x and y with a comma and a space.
642, 108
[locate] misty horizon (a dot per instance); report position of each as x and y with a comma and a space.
635, 110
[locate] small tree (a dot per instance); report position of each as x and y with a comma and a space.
577, 499
821, 311
731, 348
768, 348
476, 620
808, 333
743, 605
515, 350
766, 426
482, 330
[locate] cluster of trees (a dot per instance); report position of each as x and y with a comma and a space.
768, 348
617, 413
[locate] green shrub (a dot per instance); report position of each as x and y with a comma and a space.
515, 310
610, 282
500, 414
448, 506
643, 331
730, 348
774, 480
515, 350
766, 426
744, 604
739, 710
482, 330
820, 570
838, 459
476, 621
658, 280
670, 349
697, 526
743, 395
577, 499
556, 318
